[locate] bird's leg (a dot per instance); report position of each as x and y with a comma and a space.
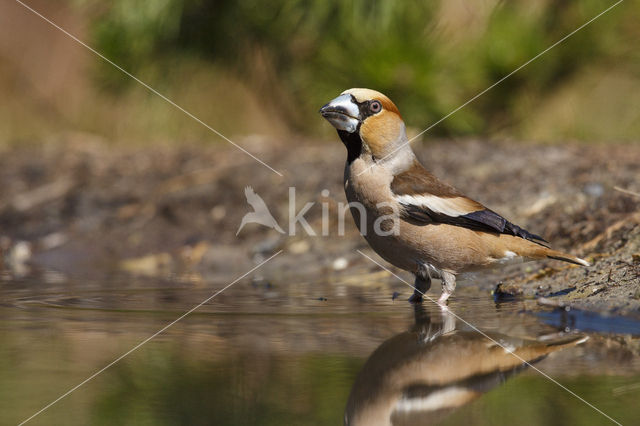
421, 284
448, 286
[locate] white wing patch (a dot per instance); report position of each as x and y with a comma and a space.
449, 397
510, 258
446, 206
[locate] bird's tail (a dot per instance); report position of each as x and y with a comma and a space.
544, 345
531, 250
558, 255
562, 340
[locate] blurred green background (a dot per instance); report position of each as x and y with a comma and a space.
251, 66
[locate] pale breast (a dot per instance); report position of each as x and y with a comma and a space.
368, 183
374, 209
446, 247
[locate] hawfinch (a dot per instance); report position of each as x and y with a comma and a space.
407, 215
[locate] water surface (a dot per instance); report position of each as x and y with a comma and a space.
299, 354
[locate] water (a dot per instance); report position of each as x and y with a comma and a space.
300, 354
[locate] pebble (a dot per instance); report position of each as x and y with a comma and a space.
339, 264
20, 253
299, 247
594, 189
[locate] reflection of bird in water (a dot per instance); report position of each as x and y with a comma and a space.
261, 213
422, 375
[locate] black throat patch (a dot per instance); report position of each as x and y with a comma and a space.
353, 143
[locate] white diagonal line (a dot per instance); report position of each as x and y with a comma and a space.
151, 89
146, 340
498, 82
494, 341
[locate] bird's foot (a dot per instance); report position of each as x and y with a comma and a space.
415, 298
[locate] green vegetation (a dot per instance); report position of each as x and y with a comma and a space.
429, 56
256, 66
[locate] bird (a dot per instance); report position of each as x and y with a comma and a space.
261, 213
423, 375
409, 217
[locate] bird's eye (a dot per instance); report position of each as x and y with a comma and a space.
375, 107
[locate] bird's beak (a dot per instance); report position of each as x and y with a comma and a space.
343, 113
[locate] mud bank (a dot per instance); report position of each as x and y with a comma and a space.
82, 208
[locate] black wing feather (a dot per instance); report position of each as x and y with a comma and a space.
482, 220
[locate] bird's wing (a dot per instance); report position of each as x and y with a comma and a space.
426, 199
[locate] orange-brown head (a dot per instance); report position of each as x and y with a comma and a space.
367, 121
